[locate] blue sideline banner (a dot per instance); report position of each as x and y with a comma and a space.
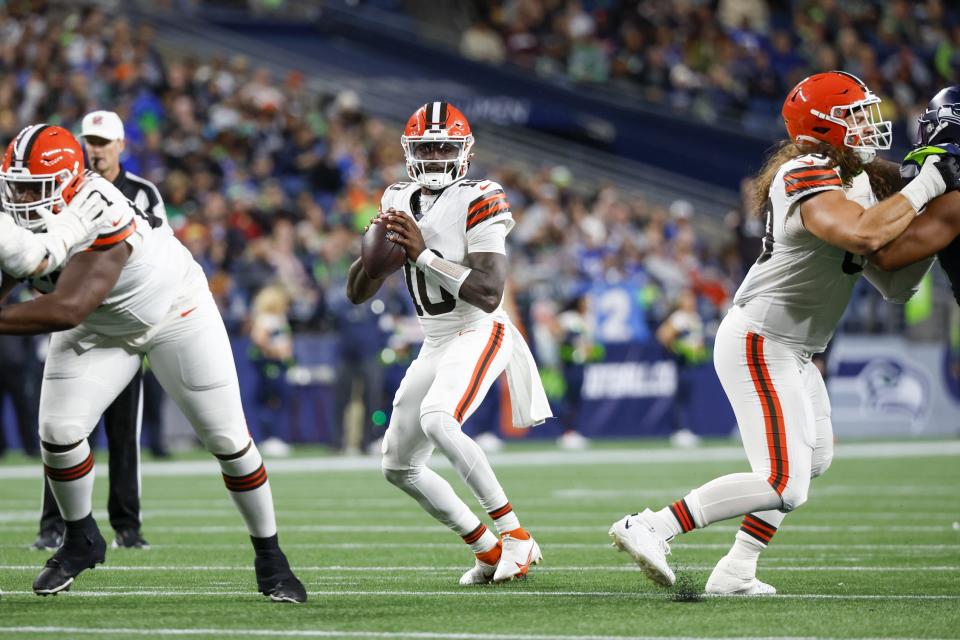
631, 394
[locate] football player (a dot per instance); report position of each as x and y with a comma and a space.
103, 134
453, 231
116, 290
828, 203
937, 231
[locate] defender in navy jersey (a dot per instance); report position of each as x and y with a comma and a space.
937, 231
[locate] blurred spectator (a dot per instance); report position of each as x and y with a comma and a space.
271, 351
266, 180
732, 58
20, 382
482, 43
682, 335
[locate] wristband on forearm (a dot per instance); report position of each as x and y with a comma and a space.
925, 187
443, 273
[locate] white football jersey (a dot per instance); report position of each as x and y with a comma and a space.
800, 285
459, 215
159, 271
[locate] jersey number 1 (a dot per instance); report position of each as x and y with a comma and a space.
422, 302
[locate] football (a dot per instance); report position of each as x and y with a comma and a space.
379, 255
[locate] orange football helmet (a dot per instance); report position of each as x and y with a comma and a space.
42, 170
436, 143
837, 108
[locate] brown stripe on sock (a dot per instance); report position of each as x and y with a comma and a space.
757, 528
75, 472
501, 511
767, 528
476, 534
682, 513
249, 482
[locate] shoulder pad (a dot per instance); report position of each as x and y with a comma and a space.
398, 186
809, 161
809, 174
487, 201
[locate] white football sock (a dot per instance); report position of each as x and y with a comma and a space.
756, 531
70, 470
725, 497
246, 480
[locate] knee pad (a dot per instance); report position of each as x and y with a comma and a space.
795, 494
62, 431
226, 444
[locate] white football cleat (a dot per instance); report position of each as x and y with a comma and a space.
635, 535
481, 573
736, 578
516, 558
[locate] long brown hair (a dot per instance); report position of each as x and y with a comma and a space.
884, 176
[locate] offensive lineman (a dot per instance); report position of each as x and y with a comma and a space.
827, 205
103, 135
116, 290
453, 231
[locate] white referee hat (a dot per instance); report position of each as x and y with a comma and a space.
102, 124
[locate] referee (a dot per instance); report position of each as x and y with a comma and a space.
102, 134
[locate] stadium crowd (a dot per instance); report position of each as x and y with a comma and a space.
732, 59
268, 183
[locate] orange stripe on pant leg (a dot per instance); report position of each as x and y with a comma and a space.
769, 405
781, 427
480, 370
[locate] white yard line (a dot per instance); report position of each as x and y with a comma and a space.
401, 528
924, 449
245, 546
328, 633
459, 568
490, 593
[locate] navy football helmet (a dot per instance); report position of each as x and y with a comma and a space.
940, 123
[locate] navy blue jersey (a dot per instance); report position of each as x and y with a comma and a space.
950, 261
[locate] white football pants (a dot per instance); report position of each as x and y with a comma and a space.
189, 352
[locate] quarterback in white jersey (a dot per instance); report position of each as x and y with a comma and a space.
116, 290
829, 205
453, 231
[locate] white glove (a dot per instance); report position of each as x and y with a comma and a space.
928, 184
20, 250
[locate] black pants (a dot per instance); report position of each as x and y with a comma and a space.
369, 371
122, 424
22, 384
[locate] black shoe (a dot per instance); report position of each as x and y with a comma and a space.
80, 551
49, 540
129, 539
276, 580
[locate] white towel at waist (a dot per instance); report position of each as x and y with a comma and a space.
527, 397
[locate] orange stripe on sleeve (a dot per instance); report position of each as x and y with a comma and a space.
106, 240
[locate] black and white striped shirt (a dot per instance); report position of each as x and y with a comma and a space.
142, 193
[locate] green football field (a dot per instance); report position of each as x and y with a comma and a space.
874, 553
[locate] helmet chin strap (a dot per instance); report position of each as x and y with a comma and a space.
866, 155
